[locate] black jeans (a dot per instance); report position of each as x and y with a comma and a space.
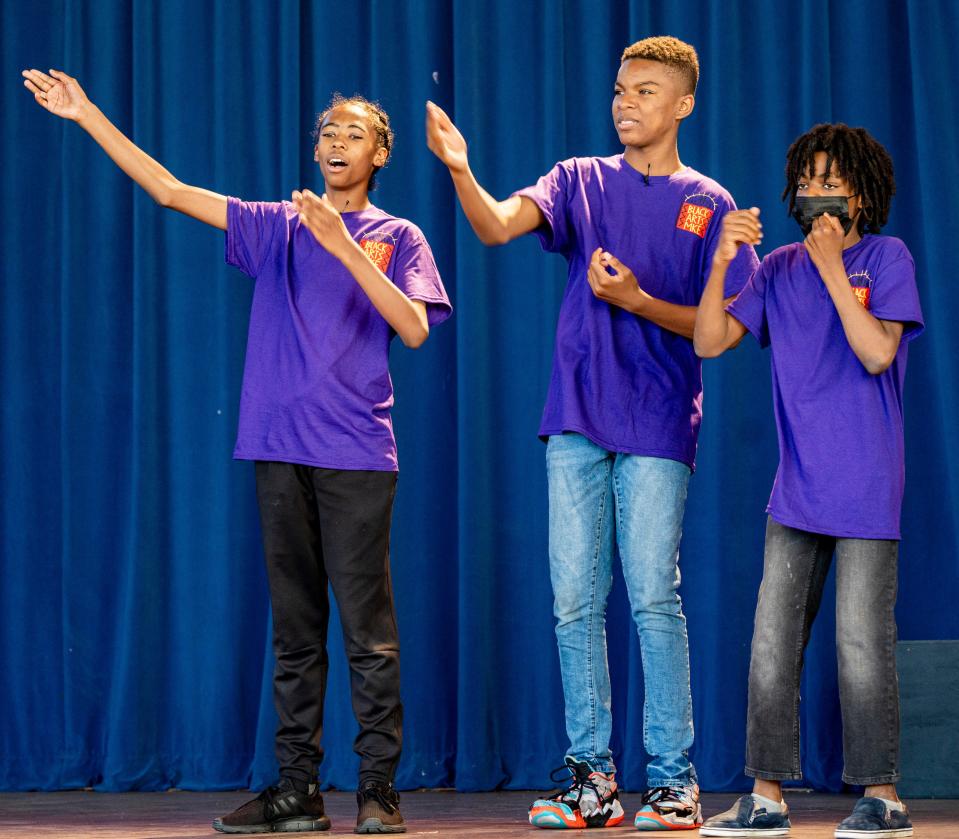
794, 571
331, 527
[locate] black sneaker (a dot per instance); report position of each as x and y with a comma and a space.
379, 809
279, 809
871, 817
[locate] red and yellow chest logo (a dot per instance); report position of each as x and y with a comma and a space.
378, 251
861, 284
694, 215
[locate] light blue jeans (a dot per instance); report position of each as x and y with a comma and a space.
599, 500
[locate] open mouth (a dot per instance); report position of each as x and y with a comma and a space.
336, 163
625, 123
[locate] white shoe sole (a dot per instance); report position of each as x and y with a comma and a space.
743, 831
874, 834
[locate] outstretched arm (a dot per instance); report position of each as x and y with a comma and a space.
715, 329
62, 96
495, 222
407, 317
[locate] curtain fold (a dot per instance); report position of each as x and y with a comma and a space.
134, 619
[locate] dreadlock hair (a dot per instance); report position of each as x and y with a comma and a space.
379, 122
861, 160
677, 55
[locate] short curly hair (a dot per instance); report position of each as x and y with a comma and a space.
675, 54
379, 122
860, 159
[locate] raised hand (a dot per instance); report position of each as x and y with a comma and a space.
444, 139
824, 244
323, 221
740, 227
59, 93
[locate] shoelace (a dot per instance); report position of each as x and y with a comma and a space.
384, 795
663, 795
579, 781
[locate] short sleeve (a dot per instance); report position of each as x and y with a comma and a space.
551, 194
250, 229
895, 296
749, 307
745, 263
416, 275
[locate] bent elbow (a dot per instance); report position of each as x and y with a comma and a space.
704, 351
878, 366
880, 362
494, 239
415, 339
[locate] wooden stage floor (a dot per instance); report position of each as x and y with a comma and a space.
440, 814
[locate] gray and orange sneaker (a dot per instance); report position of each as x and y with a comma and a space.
591, 800
670, 808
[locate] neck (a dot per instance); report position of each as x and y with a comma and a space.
350, 199
853, 237
660, 158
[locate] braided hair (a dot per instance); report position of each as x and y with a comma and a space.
379, 122
861, 160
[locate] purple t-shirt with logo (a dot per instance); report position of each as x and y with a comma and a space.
316, 386
618, 379
841, 455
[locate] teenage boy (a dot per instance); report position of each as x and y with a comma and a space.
837, 311
622, 415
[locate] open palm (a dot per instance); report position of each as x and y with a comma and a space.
58, 93
444, 139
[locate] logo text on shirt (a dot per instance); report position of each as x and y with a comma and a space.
694, 215
378, 249
861, 284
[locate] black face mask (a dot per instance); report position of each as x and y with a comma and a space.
808, 208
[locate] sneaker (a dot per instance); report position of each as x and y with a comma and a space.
279, 809
379, 809
872, 817
591, 800
670, 808
747, 818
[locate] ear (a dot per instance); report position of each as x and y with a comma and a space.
316, 153
685, 105
380, 158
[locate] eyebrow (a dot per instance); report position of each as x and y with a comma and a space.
337, 125
639, 84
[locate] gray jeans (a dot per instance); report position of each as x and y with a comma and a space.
794, 571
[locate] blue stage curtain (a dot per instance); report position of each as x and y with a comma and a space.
134, 624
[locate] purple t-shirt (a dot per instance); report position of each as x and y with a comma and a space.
618, 379
841, 457
316, 386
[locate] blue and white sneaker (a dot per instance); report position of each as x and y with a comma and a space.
872, 817
670, 808
748, 818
